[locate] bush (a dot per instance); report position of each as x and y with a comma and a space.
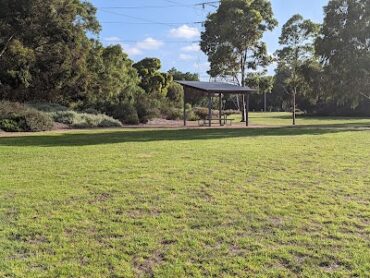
47, 107
65, 117
84, 120
202, 113
170, 112
145, 108
37, 121
190, 116
230, 112
125, 112
174, 114
9, 125
175, 94
17, 117
91, 111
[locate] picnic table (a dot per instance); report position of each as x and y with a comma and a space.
224, 121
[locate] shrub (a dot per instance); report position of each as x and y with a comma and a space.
131, 118
169, 112
230, 112
17, 117
125, 112
9, 125
91, 111
145, 108
109, 122
37, 121
190, 116
175, 93
65, 117
84, 120
47, 107
174, 114
202, 113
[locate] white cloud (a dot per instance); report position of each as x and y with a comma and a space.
202, 66
112, 39
186, 57
138, 48
185, 32
191, 48
149, 44
131, 50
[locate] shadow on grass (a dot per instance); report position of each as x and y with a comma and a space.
100, 137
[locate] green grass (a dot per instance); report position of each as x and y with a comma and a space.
285, 119
276, 202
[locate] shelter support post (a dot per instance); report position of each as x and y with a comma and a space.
209, 110
246, 109
185, 107
220, 107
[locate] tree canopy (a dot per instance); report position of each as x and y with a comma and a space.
232, 36
44, 48
50, 52
344, 47
297, 40
232, 39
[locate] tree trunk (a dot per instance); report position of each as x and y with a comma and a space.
242, 67
244, 111
264, 102
294, 105
6, 45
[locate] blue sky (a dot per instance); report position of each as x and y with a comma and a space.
168, 29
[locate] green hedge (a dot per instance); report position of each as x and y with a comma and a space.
84, 120
16, 117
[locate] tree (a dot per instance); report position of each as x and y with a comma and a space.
232, 39
153, 81
44, 63
263, 83
187, 76
111, 75
297, 39
344, 47
176, 91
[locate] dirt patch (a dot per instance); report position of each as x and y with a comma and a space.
143, 212
100, 198
145, 268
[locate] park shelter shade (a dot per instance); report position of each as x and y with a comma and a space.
216, 87
211, 89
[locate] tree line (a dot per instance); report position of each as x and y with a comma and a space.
50, 51
322, 69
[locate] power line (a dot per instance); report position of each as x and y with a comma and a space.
148, 21
139, 41
173, 5
137, 18
143, 7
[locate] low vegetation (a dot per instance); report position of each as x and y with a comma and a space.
84, 120
275, 202
17, 117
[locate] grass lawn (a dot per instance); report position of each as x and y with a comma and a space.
274, 202
285, 119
